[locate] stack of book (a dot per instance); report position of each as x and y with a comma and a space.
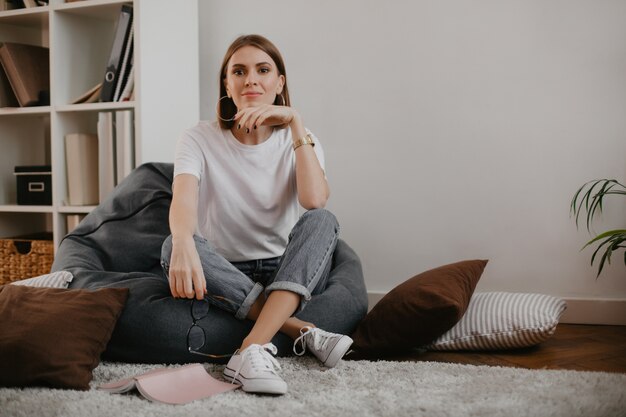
116, 148
96, 163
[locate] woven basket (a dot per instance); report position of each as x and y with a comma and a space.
25, 257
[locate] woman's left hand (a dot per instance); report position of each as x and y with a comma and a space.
264, 115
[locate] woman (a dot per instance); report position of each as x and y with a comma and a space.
236, 236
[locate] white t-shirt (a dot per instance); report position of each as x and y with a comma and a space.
248, 202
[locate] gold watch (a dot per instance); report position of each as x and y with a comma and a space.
305, 140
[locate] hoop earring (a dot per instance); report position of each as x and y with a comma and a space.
283, 99
218, 113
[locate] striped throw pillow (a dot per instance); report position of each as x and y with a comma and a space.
501, 320
59, 279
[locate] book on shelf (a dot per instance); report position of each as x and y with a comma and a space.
179, 385
73, 220
112, 72
81, 162
28, 69
116, 148
90, 96
129, 88
7, 96
124, 143
107, 169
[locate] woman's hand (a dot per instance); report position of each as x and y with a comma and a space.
250, 118
185, 275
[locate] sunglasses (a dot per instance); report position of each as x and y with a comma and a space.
196, 337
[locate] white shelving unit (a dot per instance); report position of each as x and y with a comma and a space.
80, 35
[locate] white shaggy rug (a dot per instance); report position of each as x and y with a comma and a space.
354, 388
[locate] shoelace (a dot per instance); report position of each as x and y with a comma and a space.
320, 341
260, 357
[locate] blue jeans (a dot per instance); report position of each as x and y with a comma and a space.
303, 269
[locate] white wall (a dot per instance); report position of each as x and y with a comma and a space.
454, 129
168, 87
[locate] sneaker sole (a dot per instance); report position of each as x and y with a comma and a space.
256, 386
338, 351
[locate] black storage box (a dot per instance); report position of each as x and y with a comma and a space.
34, 185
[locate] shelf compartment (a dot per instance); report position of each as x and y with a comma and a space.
83, 39
25, 140
26, 26
14, 223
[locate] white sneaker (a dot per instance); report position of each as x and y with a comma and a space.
255, 368
328, 347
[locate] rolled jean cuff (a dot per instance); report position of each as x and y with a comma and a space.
242, 313
294, 288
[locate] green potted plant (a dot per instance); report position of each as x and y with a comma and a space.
590, 198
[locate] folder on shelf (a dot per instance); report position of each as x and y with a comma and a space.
106, 154
112, 72
125, 66
124, 143
28, 69
81, 162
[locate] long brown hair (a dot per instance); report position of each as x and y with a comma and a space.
226, 106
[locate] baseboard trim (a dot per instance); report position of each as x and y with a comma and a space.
605, 311
373, 297
595, 311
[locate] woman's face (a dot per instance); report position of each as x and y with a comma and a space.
252, 78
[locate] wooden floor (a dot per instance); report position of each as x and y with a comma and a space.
574, 347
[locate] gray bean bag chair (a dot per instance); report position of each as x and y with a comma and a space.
119, 245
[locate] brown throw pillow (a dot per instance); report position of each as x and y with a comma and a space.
418, 311
54, 337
